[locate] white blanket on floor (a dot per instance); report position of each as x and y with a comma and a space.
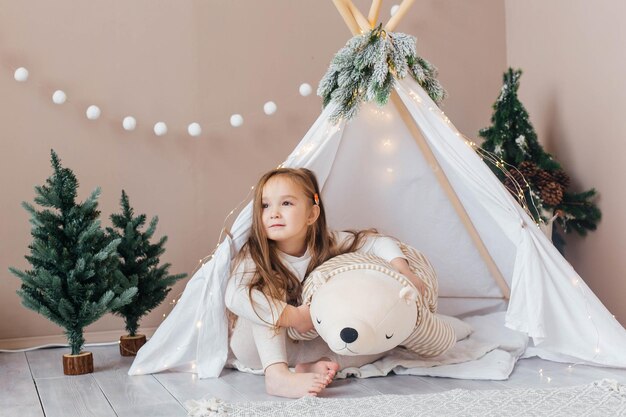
490, 352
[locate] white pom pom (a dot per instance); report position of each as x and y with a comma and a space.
269, 108
394, 9
236, 120
305, 89
129, 123
59, 97
21, 74
160, 129
194, 129
93, 112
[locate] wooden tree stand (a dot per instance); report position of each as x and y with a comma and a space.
130, 345
78, 364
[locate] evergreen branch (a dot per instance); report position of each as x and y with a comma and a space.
366, 68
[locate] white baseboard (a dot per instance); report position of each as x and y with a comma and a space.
90, 337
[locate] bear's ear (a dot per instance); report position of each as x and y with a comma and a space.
318, 279
408, 294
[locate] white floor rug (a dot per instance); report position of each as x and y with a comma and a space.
601, 398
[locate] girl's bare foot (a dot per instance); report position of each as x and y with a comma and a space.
324, 367
280, 381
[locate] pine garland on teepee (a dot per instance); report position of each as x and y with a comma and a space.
74, 263
139, 264
543, 182
366, 68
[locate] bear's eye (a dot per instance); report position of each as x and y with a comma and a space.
318, 320
389, 337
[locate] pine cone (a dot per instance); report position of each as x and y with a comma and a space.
551, 193
562, 178
528, 169
509, 181
543, 178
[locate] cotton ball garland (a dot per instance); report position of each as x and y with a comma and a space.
129, 123
160, 129
21, 74
93, 112
269, 108
59, 97
305, 89
236, 120
194, 129
394, 9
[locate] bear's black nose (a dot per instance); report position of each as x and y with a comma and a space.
348, 334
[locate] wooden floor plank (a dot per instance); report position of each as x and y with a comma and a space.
152, 410
348, 387
124, 391
46, 363
186, 386
250, 386
18, 394
399, 384
76, 396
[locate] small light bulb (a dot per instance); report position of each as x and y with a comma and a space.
305, 89
93, 112
194, 129
236, 120
129, 123
59, 97
269, 108
160, 128
21, 74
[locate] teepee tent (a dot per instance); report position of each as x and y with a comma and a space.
406, 170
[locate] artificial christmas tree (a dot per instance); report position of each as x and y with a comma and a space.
74, 264
139, 264
530, 173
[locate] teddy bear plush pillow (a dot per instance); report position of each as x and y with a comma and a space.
360, 305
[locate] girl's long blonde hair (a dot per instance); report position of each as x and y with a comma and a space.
271, 276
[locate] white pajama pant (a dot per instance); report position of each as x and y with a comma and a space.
257, 346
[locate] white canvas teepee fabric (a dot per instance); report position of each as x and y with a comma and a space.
373, 174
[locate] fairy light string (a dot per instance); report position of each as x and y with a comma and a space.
518, 193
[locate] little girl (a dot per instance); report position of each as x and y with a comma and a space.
289, 238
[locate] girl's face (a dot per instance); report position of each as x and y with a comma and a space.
287, 214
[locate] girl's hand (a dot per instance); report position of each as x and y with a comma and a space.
297, 317
419, 284
303, 322
402, 266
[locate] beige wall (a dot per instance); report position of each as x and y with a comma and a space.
181, 62
572, 54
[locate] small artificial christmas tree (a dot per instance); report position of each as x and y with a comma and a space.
74, 263
532, 171
139, 261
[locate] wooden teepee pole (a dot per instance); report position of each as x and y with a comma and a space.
374, 12
395, 19
450, 193
347, 16
432, 160
363, 23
